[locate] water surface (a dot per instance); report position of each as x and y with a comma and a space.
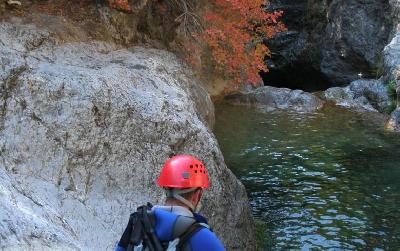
328, 180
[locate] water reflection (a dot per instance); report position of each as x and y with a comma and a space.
328, 180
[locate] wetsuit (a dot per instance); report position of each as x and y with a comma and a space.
167, 224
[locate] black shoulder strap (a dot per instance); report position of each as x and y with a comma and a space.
126, 236
142, 231
136, 231
185, 237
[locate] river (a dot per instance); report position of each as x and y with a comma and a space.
326, 180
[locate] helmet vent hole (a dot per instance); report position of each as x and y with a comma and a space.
195, 171
191, 166
197, 165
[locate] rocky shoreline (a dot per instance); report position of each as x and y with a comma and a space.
360, 95
369, 95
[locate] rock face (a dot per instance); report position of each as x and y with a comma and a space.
333, 40
84, 131
392, 73
369, 95
272, 98
392, 59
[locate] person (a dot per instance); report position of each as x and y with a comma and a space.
174, 225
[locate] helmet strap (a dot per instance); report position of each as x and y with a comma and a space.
176, 194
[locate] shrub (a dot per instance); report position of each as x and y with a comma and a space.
234, 33
122, 5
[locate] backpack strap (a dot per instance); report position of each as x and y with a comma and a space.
143, 233
136, 231
181, 225
192, 230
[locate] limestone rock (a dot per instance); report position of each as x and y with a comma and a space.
368, 95
271, 98
84, 131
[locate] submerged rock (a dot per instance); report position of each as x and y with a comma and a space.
84, 131
368, 95
394, 122
271, 98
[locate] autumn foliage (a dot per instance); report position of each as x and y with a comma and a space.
122, 5
234, 33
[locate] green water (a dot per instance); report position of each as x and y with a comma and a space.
323, 181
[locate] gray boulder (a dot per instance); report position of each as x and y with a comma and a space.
84, 131
368, 95
272, 98
392, 59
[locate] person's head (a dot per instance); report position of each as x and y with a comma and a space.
183, 177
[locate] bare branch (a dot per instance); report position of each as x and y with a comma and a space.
190, 21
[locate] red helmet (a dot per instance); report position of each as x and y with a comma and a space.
183, 171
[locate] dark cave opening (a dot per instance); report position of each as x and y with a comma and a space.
297, 76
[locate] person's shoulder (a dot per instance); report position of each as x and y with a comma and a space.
200, 218
205, 239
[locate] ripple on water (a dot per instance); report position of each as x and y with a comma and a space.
325, 180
